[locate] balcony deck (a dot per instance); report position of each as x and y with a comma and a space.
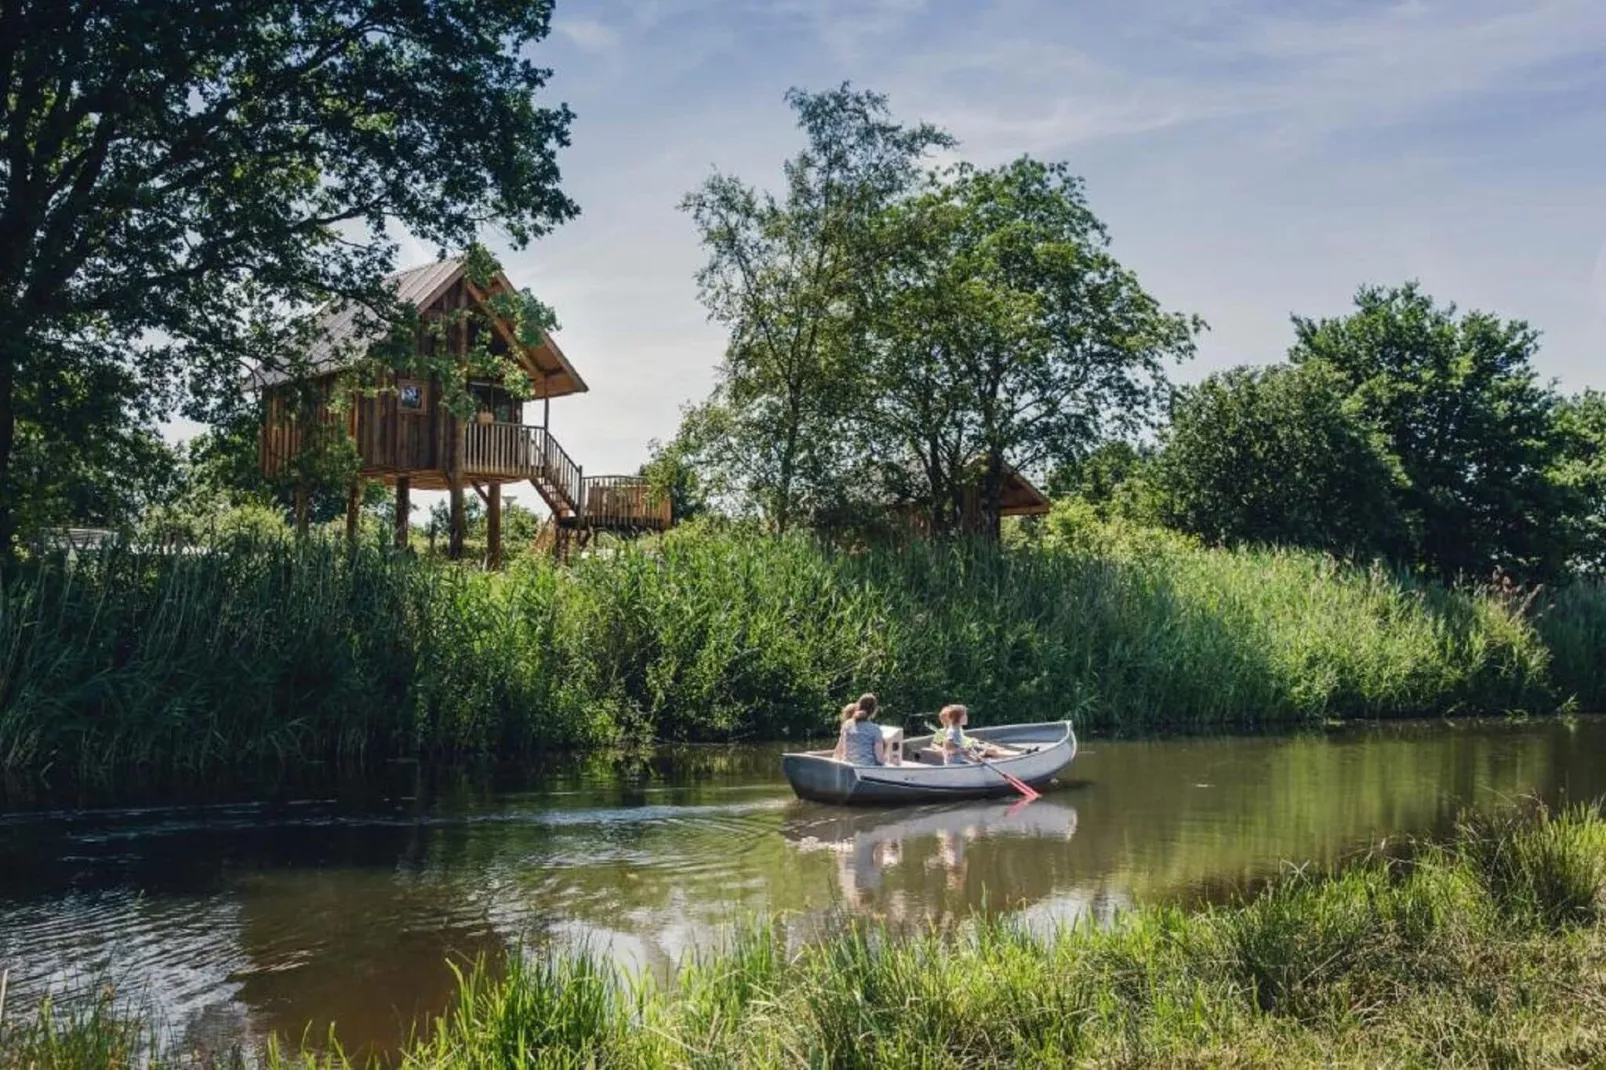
522, 451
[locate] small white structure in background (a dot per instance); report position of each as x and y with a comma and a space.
72, 542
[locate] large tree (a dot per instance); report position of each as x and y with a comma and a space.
174, 179
1278, 455
1581, 469
1461, 408
787, 275
1010, 334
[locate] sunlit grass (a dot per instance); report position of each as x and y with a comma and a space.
273, 652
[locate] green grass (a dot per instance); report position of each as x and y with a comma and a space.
1486, 950
270, 652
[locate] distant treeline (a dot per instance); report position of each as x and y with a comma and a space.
276, 651
904, 334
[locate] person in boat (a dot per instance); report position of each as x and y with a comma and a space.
860, 742
958, 748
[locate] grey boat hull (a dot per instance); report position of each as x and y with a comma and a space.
1048, 748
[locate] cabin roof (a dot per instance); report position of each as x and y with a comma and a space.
1020, 496
339, 331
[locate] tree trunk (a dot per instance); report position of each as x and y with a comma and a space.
404, 510
8, 437
301, 509
493, 526
992, 491
353, 500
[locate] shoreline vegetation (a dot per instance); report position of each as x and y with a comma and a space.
1486, 949
272, 651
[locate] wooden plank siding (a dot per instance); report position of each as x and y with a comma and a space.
418, 446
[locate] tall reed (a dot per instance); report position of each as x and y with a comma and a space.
270, 651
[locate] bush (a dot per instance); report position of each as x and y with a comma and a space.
274, 650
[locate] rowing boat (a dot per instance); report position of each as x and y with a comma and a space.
916, 773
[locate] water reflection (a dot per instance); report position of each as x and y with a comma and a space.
927, 853
263, 907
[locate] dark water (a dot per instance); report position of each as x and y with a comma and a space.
273, 905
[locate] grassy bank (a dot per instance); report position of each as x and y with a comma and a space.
1489, 950
271, 652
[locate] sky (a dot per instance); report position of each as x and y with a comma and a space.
1251, 158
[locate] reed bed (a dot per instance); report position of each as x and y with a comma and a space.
270, 651
1486, 950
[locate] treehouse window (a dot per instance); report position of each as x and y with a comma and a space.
410, 396
495, 399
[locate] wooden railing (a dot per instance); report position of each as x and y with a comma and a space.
521, 451
562, 474
624, 502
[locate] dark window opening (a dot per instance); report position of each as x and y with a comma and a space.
495, 399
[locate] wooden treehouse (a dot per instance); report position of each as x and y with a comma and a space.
406, 438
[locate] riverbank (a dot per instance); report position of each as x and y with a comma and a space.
274, 653
1489, 949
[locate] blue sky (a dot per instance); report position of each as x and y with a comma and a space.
1252, 159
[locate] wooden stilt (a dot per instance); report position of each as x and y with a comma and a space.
301, 510
454, 482
404, 509
493, 526
353, 500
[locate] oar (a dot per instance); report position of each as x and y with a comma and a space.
1015, 782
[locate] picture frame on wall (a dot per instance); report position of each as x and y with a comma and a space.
410, 396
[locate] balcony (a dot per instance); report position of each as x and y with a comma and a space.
522, 451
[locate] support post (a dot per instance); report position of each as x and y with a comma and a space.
353, 500
404, 510
493, 527
546, 411
301, 510
454, 482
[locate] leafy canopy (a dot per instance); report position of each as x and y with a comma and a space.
1278, 455
788, 275
175, 180
1462, 411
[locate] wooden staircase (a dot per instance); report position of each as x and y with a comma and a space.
578, 502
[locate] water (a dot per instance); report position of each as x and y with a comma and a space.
266, 907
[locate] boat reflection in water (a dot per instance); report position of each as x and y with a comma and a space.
938, 863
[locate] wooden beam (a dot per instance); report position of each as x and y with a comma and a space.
493, 526
481, 490
404, 511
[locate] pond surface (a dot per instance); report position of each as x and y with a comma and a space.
271, 906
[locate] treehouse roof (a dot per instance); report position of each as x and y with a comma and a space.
340, 334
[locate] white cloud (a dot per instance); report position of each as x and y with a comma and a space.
589, 34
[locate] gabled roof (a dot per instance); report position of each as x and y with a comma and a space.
339, 332
1020, 496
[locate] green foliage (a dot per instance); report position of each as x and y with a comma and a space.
1007, 331
888, 329
787, 276
1098, 475
1462, 411
1581, 469
1487, 950
1279, 456
177, 183
1572, 623
240, 652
